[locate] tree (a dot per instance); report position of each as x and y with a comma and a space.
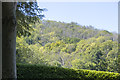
28, 12
9, 40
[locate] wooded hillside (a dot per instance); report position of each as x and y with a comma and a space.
69, 45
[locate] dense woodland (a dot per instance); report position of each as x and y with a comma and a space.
68, 45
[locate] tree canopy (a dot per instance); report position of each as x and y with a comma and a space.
27, 13
60, 44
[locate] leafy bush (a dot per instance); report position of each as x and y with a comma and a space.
42, 71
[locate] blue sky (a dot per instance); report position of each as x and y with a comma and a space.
101, 15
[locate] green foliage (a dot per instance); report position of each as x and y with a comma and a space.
69, 45
27, 13
44, 72
69, 40
26, 53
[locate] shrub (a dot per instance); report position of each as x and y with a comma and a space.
42, 71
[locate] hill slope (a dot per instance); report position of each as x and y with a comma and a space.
69, 45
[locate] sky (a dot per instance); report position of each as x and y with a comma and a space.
101, 15
77, 0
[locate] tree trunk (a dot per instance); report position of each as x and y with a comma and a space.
0, 40
9, 40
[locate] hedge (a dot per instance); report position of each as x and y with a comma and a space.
29, 71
